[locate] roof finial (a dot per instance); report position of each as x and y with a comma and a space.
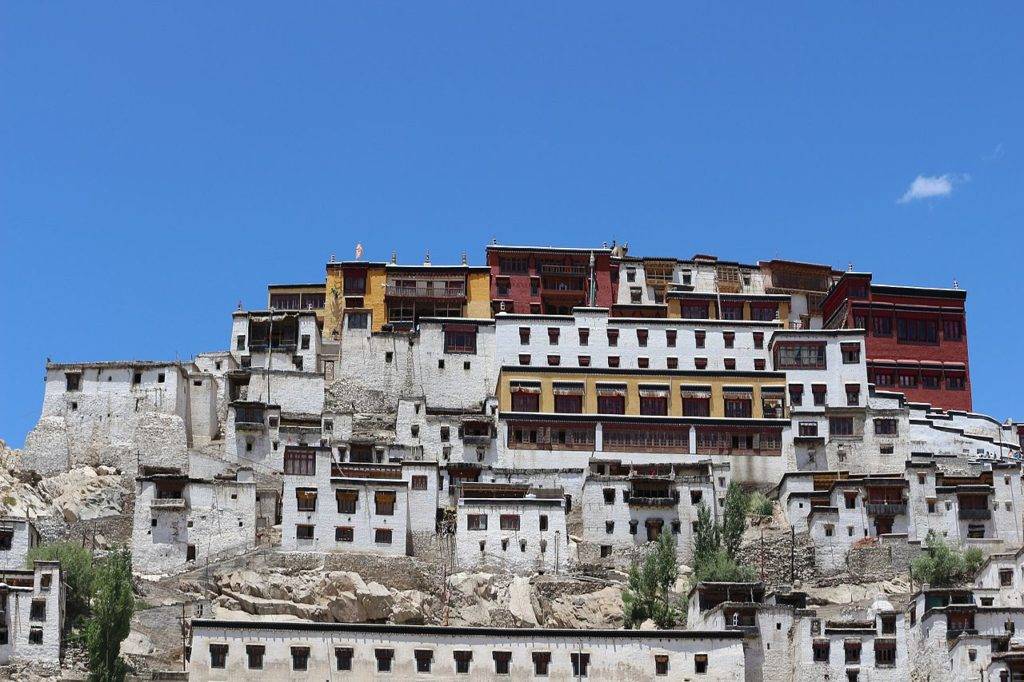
332, 258
394, 257
239, 304
465, 258
849, 266
956, 283
359, 250
426, 258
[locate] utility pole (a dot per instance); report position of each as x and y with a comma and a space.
270, 353
183, 637
792, 555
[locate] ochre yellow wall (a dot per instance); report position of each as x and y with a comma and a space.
632, 382
478, 294
335, 280
373, 299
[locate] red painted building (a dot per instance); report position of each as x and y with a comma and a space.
550, 280
916, 340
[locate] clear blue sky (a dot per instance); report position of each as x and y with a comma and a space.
162, 161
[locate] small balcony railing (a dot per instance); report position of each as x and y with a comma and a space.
564, 270
167, 504
975, 514
426, 292
476, 439
886, 508
652, 501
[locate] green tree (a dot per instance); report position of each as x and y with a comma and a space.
944, 566
647, 594
77, 571
111, 618
734, 519
712, 561
707, 537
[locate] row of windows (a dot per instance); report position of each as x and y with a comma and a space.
642, 362
930, 381
912, 329
819, 395
506, 522
541, 661
642, 337
307, 531
737, 406
73, 380
884, 649
383, 500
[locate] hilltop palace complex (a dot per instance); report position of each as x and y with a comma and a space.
555, 408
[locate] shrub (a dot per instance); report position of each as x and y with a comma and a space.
77, 571
944, 566
761, 505
647, 592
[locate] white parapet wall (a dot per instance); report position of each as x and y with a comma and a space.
296, 650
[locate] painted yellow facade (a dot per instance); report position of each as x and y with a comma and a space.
478, 294
676, 383
373, 298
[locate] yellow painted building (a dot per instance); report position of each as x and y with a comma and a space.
398, 295
765, 391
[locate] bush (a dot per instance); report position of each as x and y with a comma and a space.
761, 505
721, 568
712, 559
944, 566
647, 592
77, 571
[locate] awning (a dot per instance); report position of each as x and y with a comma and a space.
606, 390
460, 328
695, 391
519, 387
736, 395
653, 392
568, 389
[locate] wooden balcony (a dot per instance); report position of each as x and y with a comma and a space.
975, 514
424, 292
886, 508
564, 270
168, 504
645, 501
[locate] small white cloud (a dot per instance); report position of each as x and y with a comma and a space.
930, 186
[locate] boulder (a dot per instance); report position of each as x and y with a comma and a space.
345, 608
412, 607
474, 585
520, 601
600, 609
376, 601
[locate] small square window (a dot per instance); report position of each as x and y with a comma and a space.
343, 657
300, 657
